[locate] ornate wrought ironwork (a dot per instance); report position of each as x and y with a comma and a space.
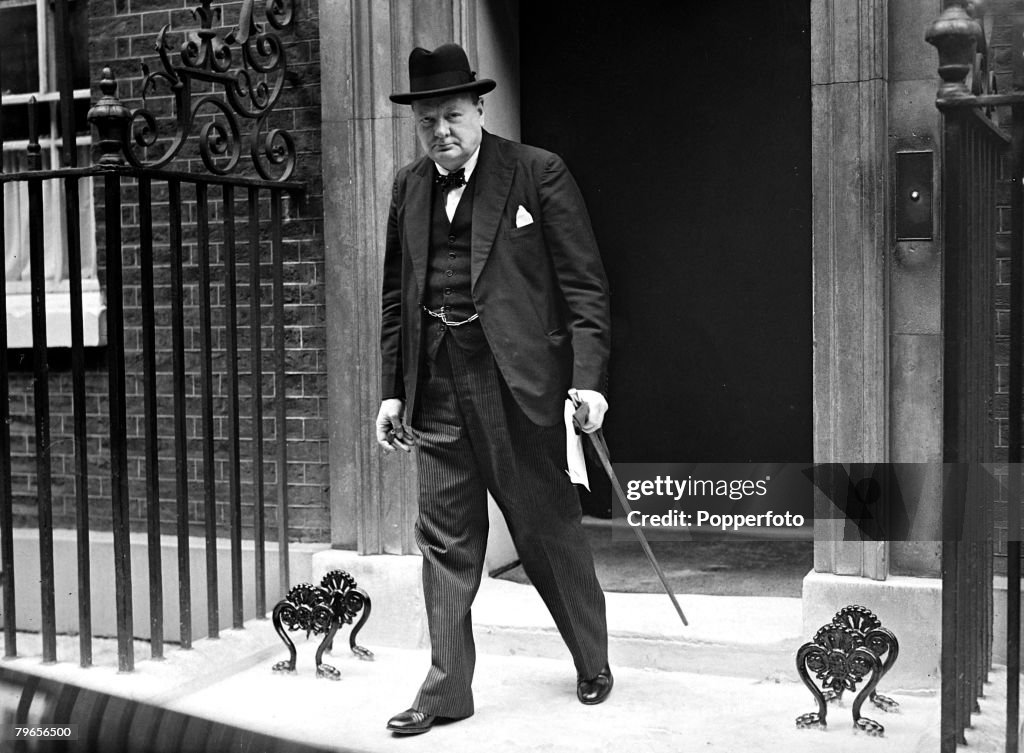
249, 93
852, 647
322, 610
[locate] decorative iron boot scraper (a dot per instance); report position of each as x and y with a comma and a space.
852, 647
321, 610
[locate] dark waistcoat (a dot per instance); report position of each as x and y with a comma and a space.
448, 274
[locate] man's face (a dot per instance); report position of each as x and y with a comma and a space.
449, 128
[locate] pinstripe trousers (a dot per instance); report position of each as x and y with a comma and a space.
475, 438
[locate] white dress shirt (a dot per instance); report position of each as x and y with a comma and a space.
452, 199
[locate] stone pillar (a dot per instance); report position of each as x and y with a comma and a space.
915, 291
364, 52
365, 46
877, 315
849, 96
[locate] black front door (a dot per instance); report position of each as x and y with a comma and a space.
688, 129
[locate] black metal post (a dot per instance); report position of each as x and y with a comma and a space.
231, 345
1013, 554
41, 394
180, 421
256, 360
152, 448
280, 402
118, 423
111, 117
206, 378
72, 206
949, 728
990, 551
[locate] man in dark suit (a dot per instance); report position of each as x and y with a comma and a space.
495, 307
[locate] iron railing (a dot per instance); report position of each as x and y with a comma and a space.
225, 218
106, 722
973, 146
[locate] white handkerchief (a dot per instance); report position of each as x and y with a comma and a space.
523, 218
577, 469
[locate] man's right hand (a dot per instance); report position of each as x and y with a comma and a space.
392, 431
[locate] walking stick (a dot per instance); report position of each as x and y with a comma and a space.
597, 438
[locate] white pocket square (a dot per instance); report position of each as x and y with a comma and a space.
523, 218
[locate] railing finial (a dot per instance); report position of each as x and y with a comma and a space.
111, 119
955, 35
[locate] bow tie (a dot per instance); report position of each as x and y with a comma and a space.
452, 180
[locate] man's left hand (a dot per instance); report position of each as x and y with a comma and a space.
597, 407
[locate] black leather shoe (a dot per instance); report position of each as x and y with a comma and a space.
411, 722
597, 688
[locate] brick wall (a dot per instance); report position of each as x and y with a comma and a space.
122, 36
1006, 14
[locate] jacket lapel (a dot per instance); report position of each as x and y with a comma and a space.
417, 218
493, 178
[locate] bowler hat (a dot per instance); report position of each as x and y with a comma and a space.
439, 73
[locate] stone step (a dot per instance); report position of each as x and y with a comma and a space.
750, 637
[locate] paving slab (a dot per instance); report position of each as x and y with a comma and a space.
526, 698
529, 704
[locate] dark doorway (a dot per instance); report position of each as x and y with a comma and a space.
688, 129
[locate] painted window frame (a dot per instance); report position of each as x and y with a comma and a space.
58, 295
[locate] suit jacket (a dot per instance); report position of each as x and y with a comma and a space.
540, 289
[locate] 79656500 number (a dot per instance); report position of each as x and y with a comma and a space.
47, 731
